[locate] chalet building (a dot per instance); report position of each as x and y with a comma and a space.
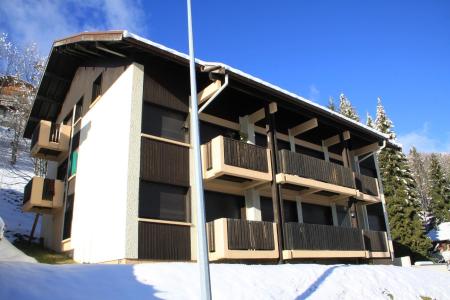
284, 178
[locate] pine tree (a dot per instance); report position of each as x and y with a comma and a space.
331, 104
439, 192
420, 175
346, 108
369, 121
402, 200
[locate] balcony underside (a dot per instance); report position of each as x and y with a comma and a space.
43, 195
50, 141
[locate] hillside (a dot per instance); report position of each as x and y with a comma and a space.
12, 182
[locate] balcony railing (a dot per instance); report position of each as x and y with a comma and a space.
225, 156
309, 167
301, 236
366, 184
50, 140
242, 239
375, 241
42, 195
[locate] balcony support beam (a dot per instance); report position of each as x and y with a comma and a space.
366, 149
336, 139
261, 114
299, 209
208, 92
334, 214
303, 127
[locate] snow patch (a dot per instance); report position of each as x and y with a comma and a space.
441, 233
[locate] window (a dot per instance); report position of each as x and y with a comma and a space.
290, 211
68, 118
317, 214
375, 215
97, 87
164, 122
267, 209
62, 170
163, 201
343, 216
73, 158
219, 205
79, 109
68, 214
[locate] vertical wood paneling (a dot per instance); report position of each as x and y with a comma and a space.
164, 162
366, 184
164, 241
302, 236
244, 155
165, 91
250, 235
314, 168
375, 241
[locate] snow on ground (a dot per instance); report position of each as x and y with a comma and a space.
12, 182
229, 281
10, 253
442, 233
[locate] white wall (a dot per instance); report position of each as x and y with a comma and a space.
104, 207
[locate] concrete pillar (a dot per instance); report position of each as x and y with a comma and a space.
299, 209
334, 214
252, 205
247, 128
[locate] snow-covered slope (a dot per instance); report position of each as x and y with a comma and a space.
12, 182
229, 281
10, 253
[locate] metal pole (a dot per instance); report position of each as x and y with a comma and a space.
202, 245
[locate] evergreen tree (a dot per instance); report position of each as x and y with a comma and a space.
439, 192
402, 200
346, 108
331, 104
417, 164
369, 121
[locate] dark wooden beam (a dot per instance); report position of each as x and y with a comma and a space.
57, 77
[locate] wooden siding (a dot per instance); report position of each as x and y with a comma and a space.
300, 236
167, 93
164, 241
366, 184
27, 191
164, 162
309, 167
244, 155
375, 241
250, 235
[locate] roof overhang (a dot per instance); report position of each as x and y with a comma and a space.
69, 53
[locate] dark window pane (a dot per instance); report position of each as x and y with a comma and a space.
290, 211
376, 217
309, 152
62, 170
68, 213
209, 131
267, 209
317, 214
97, 87
164, 122
220, 205
163, 201
68, 118
283, 145
261, 140
79, 109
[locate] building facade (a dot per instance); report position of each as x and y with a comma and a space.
284, 178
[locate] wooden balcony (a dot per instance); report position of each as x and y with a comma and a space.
235, 164
376, 244
367, 188
50, 141
316, 174
42, 195
233, 239
322, 241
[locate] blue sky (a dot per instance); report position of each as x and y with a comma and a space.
396, 50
